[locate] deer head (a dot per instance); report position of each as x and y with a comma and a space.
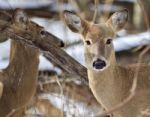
97, 38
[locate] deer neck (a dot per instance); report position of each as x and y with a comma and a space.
20, 77
104, 86
23, 66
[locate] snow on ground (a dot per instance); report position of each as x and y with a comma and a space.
71, 107
4, 54
130, 41
12, 4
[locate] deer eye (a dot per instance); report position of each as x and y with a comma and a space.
43, 33
88, 42
108, 41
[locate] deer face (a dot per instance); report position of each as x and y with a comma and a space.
98, 46
97, 38
21, 22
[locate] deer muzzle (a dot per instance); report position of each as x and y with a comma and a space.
99, 64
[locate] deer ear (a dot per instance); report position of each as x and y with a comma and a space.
74, 22
20, 16
118, 20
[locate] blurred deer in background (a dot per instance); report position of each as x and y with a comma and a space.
110, 82
19, 79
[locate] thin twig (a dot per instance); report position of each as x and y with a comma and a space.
145, 14
61, 93
75, 4
96, 2
107, 2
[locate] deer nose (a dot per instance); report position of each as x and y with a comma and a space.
62, 44
99, 64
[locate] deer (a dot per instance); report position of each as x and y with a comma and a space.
109, 81
18, 80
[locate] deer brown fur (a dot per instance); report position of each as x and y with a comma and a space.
110, 82
19, 79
